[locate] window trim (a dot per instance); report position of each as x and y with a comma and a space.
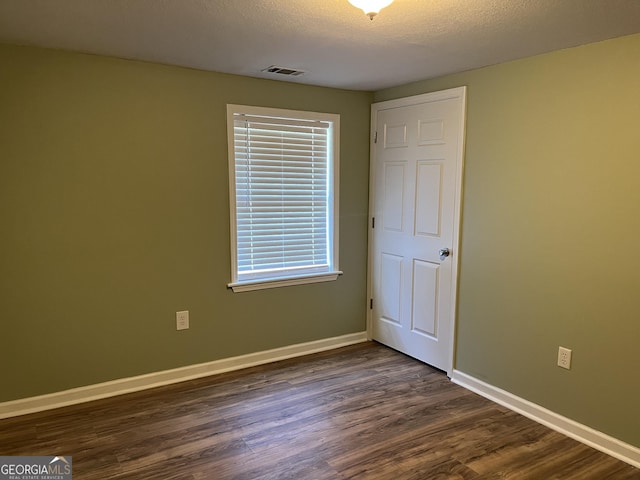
333, 271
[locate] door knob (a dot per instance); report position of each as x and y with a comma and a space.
444, 253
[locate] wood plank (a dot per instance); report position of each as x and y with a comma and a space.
359, 412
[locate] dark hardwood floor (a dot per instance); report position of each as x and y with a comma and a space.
360, 412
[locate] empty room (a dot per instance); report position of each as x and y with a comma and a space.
320, 239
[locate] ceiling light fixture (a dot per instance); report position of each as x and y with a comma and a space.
371, 7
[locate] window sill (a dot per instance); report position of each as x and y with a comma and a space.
262, 284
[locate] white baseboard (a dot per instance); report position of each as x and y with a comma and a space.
142, 382
582, 433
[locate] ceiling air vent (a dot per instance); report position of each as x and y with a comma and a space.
283, 71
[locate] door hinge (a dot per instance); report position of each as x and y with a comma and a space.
373, 222
375, 137
371, 303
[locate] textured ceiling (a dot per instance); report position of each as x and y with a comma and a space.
332, 41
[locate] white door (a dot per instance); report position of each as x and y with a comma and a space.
415, 195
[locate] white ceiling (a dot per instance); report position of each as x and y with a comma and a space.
332, 41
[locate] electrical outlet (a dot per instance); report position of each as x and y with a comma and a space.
564, 357
182, 320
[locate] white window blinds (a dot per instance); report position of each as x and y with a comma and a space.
284, 199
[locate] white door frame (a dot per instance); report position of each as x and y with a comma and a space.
458, 92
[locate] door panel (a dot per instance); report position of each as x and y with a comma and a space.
416, 185
428, 200
395, 135
424, 313
391, 285
431, 132
394, 196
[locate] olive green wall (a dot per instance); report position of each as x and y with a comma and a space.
114, 213
551, 230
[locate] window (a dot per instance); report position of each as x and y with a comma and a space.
283, 170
